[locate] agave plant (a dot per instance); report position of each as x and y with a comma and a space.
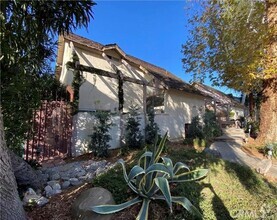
150, 180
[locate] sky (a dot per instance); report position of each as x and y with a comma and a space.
153, 31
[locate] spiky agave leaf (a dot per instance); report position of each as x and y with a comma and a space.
178, 166
146, 157
168, 163
157, 153
187, 205
183, 201
163, 185
135, 171
108, 209
153, 170
143, 213
130, 183
190, 176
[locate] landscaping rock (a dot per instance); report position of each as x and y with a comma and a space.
75, 181
25, 175
56, 186
42, 201
55, 176
56, 191
65, 184
90, 176
81, 208
71, 174
52, 183
30, 197
81, 173
48, 191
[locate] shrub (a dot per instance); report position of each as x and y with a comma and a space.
151, 129
101, 136
195, 129
211, 127
199, 144
188, 141
271, 147
117, 186
133, 133
150, 181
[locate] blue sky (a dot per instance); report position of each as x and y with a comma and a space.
153, 31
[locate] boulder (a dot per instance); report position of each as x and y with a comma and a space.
25, 175
81, 208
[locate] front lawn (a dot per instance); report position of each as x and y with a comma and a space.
230, 191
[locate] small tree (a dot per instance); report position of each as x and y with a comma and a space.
133, 133
151, 129
101, 136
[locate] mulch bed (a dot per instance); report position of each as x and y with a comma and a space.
59, 206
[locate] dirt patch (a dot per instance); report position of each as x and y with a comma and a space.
253, 148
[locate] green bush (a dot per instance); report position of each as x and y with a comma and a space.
211, 127
188, 141
195, 129
151, 129
117, 186
101, 136
134, 138
273, 148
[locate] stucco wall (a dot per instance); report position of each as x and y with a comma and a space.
100, 93
83, 123
180, 108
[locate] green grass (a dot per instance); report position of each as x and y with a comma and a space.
230, 191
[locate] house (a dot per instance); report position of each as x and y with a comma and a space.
227, 108
175, 102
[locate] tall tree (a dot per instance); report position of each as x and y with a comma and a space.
28, 29
234, 44
28, 45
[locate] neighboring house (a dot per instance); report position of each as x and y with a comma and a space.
222, 104
175, 101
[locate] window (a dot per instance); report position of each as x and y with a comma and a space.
156, 101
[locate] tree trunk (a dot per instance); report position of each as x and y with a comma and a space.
251, 106
10, 205
268, 112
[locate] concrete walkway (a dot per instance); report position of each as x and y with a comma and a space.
228, 146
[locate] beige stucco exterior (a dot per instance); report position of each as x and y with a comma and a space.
100, 93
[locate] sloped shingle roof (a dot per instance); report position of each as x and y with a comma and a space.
169, 79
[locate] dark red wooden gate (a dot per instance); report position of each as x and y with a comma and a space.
50, 136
